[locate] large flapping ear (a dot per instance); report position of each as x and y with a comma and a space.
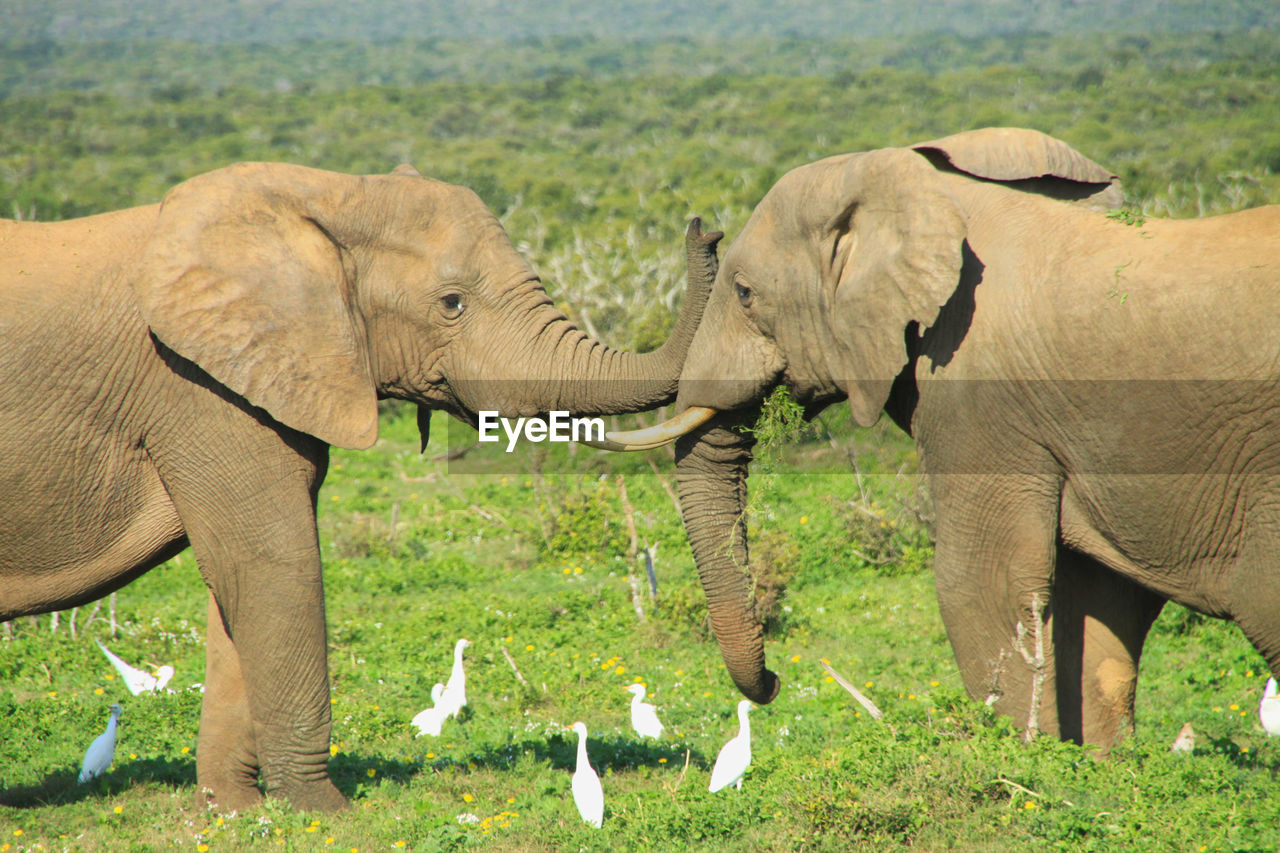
242, 277
897, 258
1016, 154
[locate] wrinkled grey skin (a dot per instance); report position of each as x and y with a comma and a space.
1094, 403
175, 374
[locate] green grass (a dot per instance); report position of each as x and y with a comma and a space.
534, 564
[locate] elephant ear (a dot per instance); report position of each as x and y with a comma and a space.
896, 259
243, 277
1015, 154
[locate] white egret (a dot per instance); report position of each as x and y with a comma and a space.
455, 691
1269, 708
588, 795
430, 721
138, 680
644, 717
97, 758
735, 756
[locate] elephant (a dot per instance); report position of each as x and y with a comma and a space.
1096, 429
173, 375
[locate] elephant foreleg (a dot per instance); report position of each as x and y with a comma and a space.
254, 537
1100, 622
226, 754
994, 565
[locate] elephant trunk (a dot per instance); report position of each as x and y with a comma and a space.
586, 376
711, 469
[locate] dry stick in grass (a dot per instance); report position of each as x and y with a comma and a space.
454, 453
666, 487
514, 668
629, 514
875, 712
1012, 784
683, 770
650, 554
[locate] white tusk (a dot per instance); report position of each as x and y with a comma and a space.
658, 435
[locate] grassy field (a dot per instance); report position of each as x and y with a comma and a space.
533, 566
595, 153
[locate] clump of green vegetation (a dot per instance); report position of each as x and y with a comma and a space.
1127, 216
781, 422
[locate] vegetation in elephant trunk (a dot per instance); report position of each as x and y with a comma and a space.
711, 470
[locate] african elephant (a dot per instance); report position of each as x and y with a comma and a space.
174, 374
1094, 400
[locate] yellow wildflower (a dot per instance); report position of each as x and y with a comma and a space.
118, 810
371, 772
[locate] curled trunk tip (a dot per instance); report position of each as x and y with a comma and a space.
764, 691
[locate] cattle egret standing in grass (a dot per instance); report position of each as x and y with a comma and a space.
432, 719
644, 717
735, 756
97, 758
1269, 709
137, 680
587, 793
455, 691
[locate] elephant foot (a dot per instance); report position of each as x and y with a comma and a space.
225, 796
314, 796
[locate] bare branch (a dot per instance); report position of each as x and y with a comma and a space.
514, 668
875, 712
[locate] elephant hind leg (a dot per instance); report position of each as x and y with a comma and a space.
1250, 591
1100, 622
226, 754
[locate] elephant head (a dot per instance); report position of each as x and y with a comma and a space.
821, 292
313, 294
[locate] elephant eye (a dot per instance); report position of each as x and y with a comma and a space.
744, 295
452, 304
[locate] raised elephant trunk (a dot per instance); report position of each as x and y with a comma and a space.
711, 470
586, 376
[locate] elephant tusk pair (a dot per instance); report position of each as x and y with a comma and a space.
658, 435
